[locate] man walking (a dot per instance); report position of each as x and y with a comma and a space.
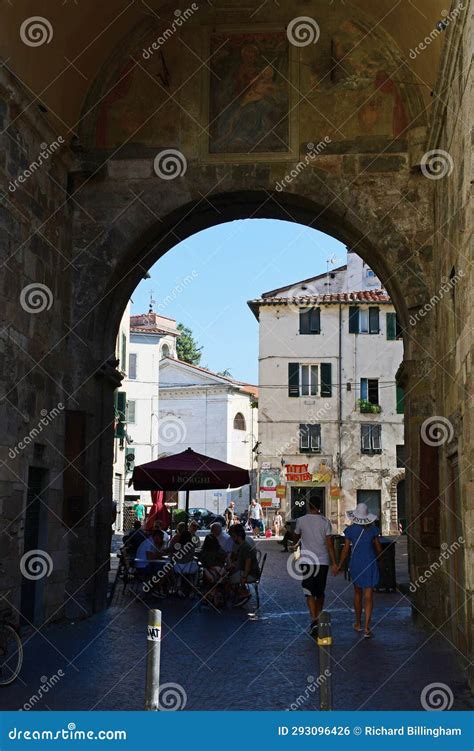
256, 518
317, 550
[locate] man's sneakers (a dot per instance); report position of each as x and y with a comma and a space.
313, 629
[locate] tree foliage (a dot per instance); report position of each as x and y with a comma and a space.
186, 346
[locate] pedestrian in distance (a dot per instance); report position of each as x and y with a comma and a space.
317, 552
364, 537
256, 518
277, 523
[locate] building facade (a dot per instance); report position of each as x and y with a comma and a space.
331, 413
214, 415
152, 337
120, 439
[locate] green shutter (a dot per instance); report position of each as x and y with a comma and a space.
326, 379
293, 379
400, 400
353, 319
315, 324
120, 414
391, 326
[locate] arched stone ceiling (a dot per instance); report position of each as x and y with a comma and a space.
85, 33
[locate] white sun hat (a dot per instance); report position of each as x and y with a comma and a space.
361, 515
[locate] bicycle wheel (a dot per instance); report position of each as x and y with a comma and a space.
11, 654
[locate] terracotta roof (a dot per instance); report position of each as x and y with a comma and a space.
364, 296
152, 330
247, 387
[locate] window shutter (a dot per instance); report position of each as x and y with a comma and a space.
130, 412
363, 389
353, 319
326, 379
315, 431
293, 379
305, 321
120, 416
400, 396
377, 438
391, 326
315, 324
374, 326
365, 438
304, 437
132, 366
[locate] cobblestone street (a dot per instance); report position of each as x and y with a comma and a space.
236, 661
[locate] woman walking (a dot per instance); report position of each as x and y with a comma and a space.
363, 566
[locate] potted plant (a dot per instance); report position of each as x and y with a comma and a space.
367, 407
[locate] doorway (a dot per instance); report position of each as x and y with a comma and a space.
300, 497
35, 536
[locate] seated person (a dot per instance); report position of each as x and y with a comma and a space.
158, 527
179, 530
213, 560
193, 528
225, 541
287, 538
184, 564
245, 570
150, 553
134, 539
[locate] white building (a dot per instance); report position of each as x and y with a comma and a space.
152, 337
120, 441
212, 414
326, 344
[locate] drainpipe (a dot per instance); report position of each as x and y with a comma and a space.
339, 418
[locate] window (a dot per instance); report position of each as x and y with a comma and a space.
394, 330
370, 438
400, 449
130, 415
239, 421
363, 320
310, 321
308, 380
132, 366
400, 398
303, 379
165, 351
369, 390
310, 438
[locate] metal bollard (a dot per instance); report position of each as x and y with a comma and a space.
324, 642
153, 641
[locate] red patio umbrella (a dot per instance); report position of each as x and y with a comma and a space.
188, 471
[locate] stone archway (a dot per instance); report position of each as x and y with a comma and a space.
393, 501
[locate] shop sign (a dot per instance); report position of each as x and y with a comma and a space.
298, 473
280, 491
269, 479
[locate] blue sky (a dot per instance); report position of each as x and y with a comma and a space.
209, 277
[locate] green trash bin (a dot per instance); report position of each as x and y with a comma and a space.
388, 577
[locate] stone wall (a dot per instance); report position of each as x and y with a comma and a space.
451, 133
36, 387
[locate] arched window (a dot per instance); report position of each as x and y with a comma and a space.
165, 351
239, 421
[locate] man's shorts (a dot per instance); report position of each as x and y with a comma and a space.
314, 579
256, 524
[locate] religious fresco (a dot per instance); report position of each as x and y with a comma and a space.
362, 77
256, 96
249, 95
